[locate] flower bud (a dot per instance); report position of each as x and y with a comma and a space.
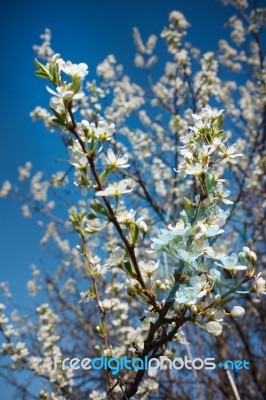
131, 290
214, 328
158, 283
237, 312
194, 309
253, 256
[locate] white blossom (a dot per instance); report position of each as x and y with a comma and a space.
79, 70
85, 297
230, 263
190, 294
260, 284
65, 93
114, 161
115, 189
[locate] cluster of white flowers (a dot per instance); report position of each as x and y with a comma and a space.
151, 42
127, 98
21, 352
89, 132
188, 242
45, 51
47, 337
39, 188
241, 4
257, 19
51, 232
41, 114
91, 103
24, 172
3, 318
5, 190
106, 70
206, 81
93, 138
229, 56
176, 31
128, 217
65, 92
204, 146
33, 284
144, 57
238, 32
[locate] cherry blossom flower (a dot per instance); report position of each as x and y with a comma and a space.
115, 189
230, 263
80, 70
190, 294
105, 131
114, 161
116, 257
259, 284
86, 297
150, 267
215, 275
65, 93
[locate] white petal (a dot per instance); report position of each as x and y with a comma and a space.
51, 91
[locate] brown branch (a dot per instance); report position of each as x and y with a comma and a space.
130, 247
151, 344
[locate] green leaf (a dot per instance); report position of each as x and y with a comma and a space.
42, 69
42, 75
127, 267
76, 83
209, 181
38, 64
226, 300
60, 119
188, 207
134, 232
91, 216
55, 75
104, 175
219, 122
54, 70
99, 208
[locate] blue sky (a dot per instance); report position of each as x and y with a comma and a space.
83, 31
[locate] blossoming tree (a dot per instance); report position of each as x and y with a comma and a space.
169, 235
